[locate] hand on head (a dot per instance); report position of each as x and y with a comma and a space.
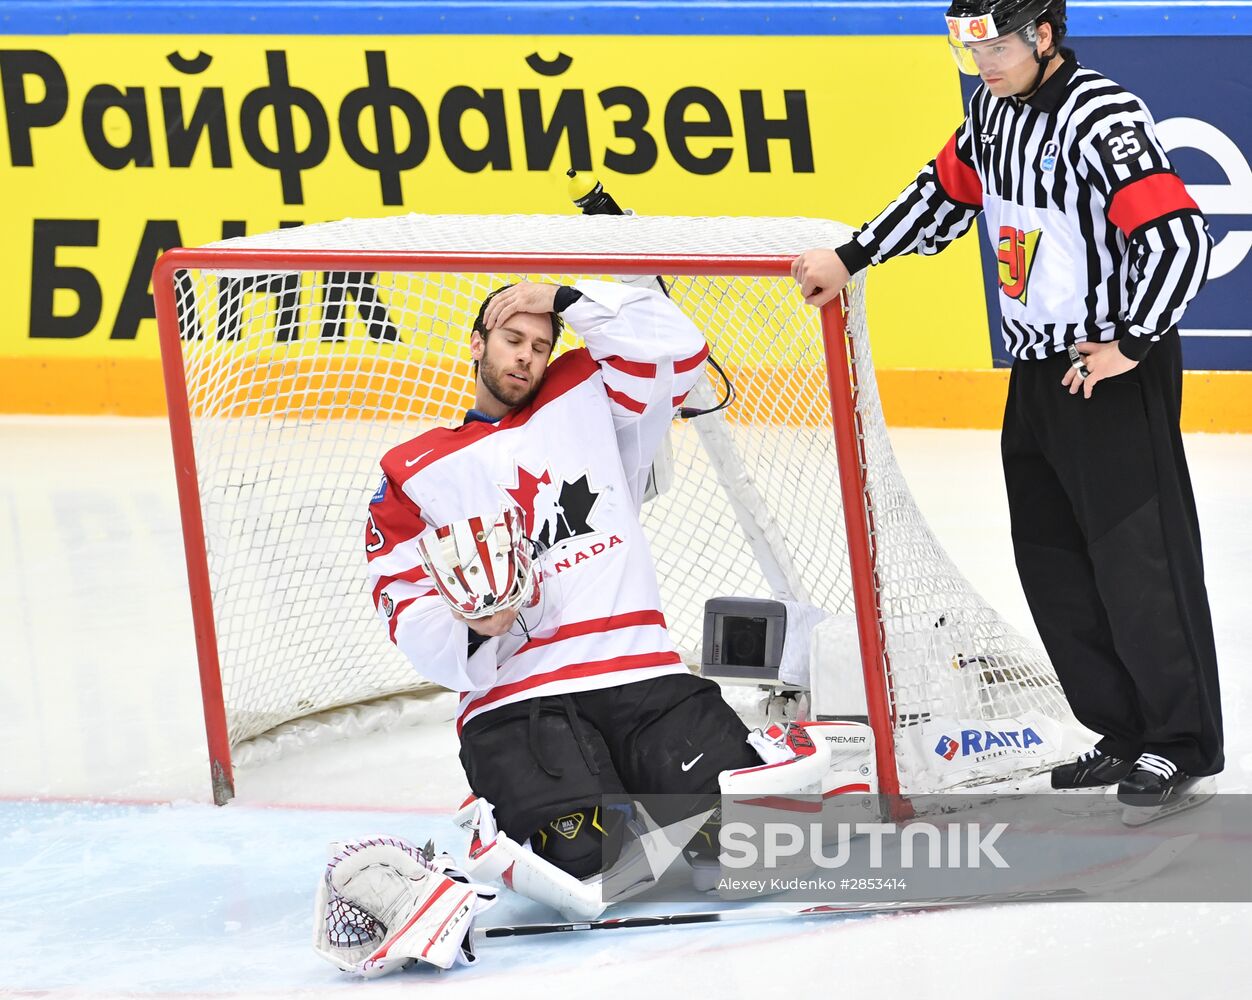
525, 297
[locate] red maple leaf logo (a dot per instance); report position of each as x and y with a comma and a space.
524, 492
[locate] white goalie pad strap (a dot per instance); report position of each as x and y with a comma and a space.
381, 905
794, 763
494, 856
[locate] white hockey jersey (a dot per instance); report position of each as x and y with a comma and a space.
576, 460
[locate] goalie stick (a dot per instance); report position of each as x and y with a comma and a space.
1131, 874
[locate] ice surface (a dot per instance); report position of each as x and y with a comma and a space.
119, 879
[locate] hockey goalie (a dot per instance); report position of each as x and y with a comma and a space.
507, 561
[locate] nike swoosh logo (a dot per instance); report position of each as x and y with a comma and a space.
413, 461
691, 763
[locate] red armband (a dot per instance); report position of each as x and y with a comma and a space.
1148, 199
957, 178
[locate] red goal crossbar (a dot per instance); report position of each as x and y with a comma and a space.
848, 437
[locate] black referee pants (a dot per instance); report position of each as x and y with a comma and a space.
1107, 544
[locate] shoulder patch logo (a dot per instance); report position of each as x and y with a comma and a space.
380, 494
1047, 162
1017, 256
1123, 145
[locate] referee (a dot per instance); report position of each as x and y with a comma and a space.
1100, 249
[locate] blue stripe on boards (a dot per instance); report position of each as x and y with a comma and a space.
575, 17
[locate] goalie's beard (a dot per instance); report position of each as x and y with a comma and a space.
495, 381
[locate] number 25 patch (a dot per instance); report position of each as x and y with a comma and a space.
1123, 145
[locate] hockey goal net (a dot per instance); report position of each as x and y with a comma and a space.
295, 359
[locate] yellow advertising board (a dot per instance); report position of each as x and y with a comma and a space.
118, 147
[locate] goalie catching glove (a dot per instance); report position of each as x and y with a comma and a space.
384, 904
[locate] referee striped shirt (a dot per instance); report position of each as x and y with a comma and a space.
1096, 237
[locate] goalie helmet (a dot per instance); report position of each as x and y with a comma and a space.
481, 565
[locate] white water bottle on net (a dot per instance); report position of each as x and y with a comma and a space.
295, 359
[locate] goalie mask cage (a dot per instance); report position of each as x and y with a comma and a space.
293, 360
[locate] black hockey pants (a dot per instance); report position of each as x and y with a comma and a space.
1107, 544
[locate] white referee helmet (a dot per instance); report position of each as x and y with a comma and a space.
988, 37
481, 565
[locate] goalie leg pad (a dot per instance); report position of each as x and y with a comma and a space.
823, 759
382, 904
819, 772
794, 763
791, 781
495, 857
853, 766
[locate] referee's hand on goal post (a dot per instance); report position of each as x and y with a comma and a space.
821, 275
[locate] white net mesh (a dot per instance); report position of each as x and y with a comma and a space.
299, 381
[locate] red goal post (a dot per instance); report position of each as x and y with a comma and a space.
843, 418
234, 406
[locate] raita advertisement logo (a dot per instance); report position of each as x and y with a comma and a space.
982, 741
